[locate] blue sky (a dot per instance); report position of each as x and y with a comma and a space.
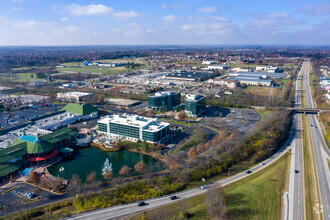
128, 22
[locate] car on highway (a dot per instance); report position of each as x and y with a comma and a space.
296, 171
249, 171
174, 197
203, 187
143, 203
263, 163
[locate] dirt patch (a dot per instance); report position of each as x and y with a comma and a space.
265, 91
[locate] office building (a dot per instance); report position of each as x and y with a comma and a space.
75, 96
194, 105
133, 127
164, 101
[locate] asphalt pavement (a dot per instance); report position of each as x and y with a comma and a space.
321, 152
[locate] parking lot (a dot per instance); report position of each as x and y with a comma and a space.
241, 120
12, 201
18, 117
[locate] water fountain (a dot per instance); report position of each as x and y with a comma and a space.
106, 167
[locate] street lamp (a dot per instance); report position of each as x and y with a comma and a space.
230, 168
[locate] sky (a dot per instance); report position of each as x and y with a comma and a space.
168, 22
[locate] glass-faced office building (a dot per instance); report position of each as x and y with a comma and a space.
133, 127
164, 101
194, 105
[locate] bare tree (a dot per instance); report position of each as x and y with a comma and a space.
151, 113
216, 203
182, 115
140, 167
108, 175
125, 171
91, 178
75, 184
192, 154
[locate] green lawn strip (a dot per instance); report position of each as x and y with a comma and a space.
310, 196
212, 128
9, 190
259, 196
328, 163
262, 112
196, 139
180, 123
28, 200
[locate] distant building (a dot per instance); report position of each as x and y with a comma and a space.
205, 62
164, 101
194, 105
134, 127
218, 67
187, 76
225, 82
269, 69
36, 83
130, 90
252, 81
74, 96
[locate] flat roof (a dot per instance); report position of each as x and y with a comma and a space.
147, 124
123, 102
188, 75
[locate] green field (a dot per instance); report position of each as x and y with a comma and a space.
259, 196
93, 69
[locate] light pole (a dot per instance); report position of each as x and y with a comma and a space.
230, 168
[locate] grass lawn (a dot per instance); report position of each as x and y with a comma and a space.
9, 190
264, 91
92, 69
181, 123
259, 196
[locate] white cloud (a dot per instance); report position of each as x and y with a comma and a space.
65, 19
208, 9
276, 15
169, 18
320, 9
164, 6
92, 9
79, 10
17, 1
16, 9
123, 15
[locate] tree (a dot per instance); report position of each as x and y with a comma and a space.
91, 178
35, 178
125, 171
151, 113
75, 184
192, 154
140, 167
216, 203
182, 115
108, 175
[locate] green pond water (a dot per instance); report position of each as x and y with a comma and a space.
93, 160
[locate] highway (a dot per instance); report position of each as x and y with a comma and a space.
321, 152
127, 209
296, 184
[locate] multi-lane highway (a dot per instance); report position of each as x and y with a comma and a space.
296, 188
122, 210
321, 152
296, 185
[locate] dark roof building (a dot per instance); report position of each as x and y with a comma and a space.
80, 109
30, 149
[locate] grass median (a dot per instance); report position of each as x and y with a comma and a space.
259, 196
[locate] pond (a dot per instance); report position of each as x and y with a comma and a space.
95, 160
